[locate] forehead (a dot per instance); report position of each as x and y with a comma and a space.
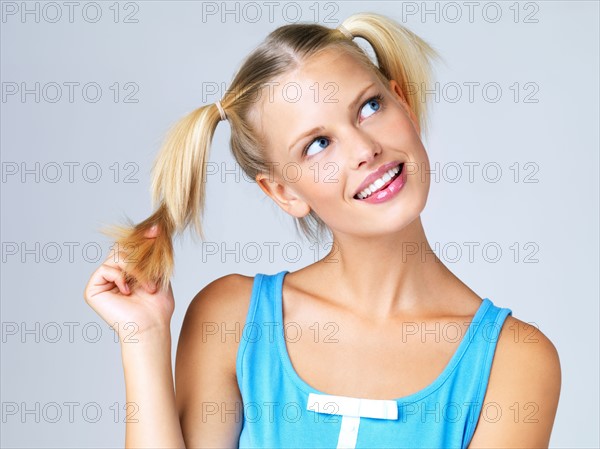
329, 65
322, 84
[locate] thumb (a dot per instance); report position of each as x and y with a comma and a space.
152, 232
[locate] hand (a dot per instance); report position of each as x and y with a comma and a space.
147, 307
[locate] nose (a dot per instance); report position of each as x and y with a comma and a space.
363, 147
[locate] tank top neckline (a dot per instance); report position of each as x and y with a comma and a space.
284, 356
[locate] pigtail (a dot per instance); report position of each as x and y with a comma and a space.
402, 56
178, 197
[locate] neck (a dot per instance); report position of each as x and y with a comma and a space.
381, 277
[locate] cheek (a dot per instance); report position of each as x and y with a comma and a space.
397, 131
399, 124
321, 188
321, 185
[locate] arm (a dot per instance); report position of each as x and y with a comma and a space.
523, 390
208, 399
152, 419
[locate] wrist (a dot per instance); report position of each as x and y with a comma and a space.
130, 332
154, 339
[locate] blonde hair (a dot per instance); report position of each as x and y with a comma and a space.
179, 171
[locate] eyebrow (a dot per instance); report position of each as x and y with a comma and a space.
351, 106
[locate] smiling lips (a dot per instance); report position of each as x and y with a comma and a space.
380, 183
389, 190
373, 176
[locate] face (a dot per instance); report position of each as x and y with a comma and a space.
327, 127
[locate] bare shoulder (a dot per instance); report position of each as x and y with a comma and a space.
523, 390
205, 374
217, 314
227, 298
523, 345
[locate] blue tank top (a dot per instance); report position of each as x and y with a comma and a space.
280, 410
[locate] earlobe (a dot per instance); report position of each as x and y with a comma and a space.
397, 90
283, 195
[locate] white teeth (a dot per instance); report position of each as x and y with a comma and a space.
379, 182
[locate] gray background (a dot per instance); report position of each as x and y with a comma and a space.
171, 54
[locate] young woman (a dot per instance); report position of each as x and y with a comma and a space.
404, 351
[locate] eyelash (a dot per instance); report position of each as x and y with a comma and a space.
378, 97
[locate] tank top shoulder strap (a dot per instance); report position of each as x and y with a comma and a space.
470, 379
258, 334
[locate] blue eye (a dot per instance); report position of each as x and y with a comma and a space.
319, 140
374, 102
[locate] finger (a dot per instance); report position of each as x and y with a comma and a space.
152, 232
121, 260
106, 278
150, 287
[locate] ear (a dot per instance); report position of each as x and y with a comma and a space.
395, 88
283, 195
